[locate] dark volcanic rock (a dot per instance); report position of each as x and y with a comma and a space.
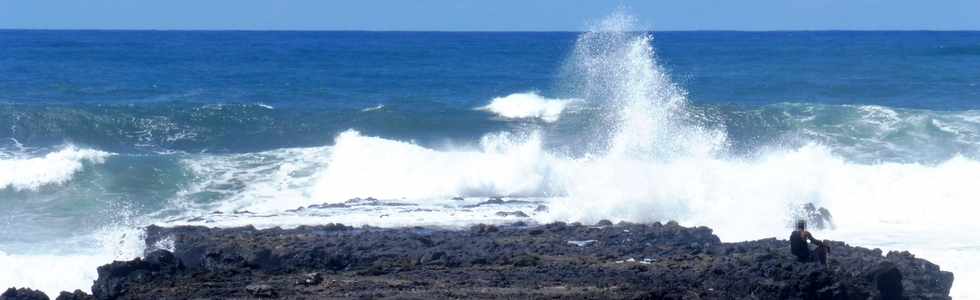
312, 279
261, 290
516, 213
558, 260
496, 201
888, 279
76, 295
23, 294
483, 229
122, 277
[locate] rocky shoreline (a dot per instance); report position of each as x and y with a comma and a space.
558, 260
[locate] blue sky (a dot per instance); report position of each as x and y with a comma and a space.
490, 15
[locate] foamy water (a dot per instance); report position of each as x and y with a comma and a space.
927, 209
52, 270
528, 105
655, 160
51, 273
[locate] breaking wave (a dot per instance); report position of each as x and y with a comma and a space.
893, 178
658, 159
527, 105
30, 173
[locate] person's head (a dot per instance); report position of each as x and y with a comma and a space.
801, 225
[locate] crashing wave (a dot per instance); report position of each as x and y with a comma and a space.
362, 166
53, 168
527, 105
655, 159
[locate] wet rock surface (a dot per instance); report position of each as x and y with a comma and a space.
636, 261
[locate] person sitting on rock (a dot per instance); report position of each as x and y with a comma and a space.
798, 245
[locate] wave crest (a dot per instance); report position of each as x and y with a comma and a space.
528, 105
53, 168
363, 166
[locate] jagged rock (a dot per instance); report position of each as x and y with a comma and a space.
625, 261
261, 291
582, 243
76, 295
604, 223
312, 279
496, 201
527, 260
116, 278
483, 228
360, 201
888, 280
23, 294
366, 202
516, 213
491, 201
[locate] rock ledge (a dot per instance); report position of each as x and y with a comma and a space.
648, 261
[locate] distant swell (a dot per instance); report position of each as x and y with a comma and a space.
864, 133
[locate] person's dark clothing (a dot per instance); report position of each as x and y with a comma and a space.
798, 246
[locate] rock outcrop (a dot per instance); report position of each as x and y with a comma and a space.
23, 294
655, 261
636, 261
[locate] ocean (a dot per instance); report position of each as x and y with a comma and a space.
105, 132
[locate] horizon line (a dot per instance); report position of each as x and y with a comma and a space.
484, 31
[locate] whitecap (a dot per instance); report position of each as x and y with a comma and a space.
53, 168
527, 105
373, 108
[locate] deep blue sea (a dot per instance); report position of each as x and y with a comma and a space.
103, 132
107, 89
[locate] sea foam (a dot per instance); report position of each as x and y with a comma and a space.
53, 272
363, 166
528, 105
896, 206
50, 273
654, 161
